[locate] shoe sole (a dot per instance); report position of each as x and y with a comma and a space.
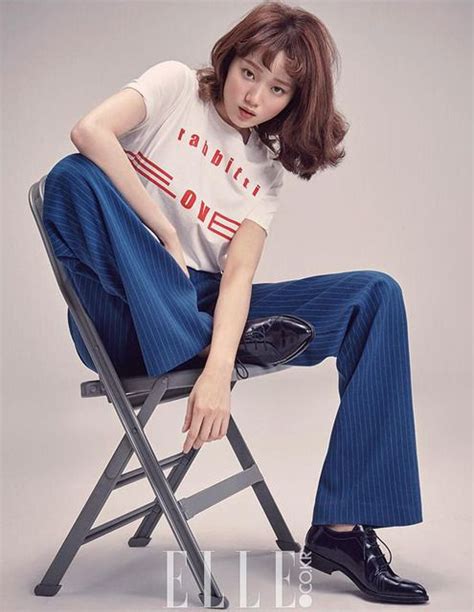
328, 567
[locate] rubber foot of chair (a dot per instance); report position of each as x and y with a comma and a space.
216, 602
138, 542
282, 545
47, 590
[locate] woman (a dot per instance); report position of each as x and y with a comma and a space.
210, 146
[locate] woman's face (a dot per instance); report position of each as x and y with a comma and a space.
253, 87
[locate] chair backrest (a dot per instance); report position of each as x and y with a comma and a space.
99, 355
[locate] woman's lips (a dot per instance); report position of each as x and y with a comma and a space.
244, 114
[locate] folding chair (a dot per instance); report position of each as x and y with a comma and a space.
143, 394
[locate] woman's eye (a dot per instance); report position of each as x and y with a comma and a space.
244, 70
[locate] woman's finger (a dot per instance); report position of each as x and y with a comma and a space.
224, 426
216, 427
189, 412
193, 432
206, 426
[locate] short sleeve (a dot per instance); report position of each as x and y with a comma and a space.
267, 206
162, 87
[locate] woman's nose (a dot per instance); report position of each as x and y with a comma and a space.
253, 98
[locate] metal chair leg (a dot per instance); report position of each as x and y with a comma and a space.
285, 540
144, 532
77, 536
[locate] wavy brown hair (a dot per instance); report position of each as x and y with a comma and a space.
305, 135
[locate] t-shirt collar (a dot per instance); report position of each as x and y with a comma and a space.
228, 128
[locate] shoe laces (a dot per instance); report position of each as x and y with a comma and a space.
252, 336
238, 364
257, 335
372, 538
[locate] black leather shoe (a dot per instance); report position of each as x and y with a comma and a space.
274, 340
357, 555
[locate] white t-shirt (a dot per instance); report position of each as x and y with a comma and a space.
197, 167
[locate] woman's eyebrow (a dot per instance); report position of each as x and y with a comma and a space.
257, 67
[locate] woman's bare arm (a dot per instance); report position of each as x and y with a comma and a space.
208, 410
100, 145
96, 136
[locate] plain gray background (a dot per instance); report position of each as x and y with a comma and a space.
400, 202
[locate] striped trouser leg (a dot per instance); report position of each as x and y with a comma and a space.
370, 473
143, 305
149, 315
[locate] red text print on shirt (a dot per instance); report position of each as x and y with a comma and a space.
217, 223
218, 160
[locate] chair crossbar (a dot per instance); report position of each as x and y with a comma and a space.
118, 522
129, 477
139, 473
221, 490
192, 505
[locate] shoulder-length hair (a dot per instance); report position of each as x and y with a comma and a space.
305, 135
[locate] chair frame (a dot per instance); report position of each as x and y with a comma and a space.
143, 394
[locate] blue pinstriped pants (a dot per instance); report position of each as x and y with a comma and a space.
153, 319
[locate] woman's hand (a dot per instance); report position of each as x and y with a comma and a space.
208, 412
174, 248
